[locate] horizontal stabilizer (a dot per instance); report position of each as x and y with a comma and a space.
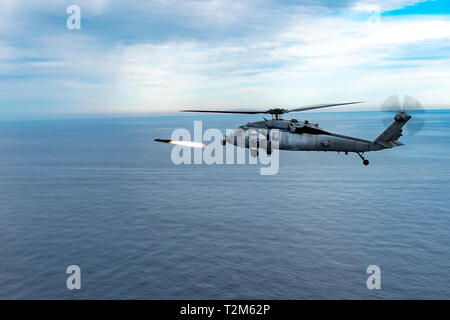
396, 143
390, 144
385, 144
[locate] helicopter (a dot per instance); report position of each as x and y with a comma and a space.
295, 135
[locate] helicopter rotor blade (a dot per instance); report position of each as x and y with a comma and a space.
319, 106
274, 111
391, 106
413, 107
226, 111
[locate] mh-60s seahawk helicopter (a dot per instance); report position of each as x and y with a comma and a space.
297, 135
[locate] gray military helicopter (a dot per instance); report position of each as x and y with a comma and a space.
297, 135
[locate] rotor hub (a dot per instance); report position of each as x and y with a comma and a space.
276, 111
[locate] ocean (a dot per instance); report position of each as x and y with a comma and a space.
101, 194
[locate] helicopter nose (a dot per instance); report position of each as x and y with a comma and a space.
230, 138
236, 137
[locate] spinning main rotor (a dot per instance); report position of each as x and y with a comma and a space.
275, 112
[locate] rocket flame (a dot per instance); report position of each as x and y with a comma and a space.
190, 144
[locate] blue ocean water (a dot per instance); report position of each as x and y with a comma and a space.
101, 194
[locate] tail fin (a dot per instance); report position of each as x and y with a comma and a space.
388, 139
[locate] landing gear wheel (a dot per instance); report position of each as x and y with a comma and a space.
365, 161
224, 142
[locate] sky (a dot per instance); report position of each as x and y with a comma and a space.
161, 56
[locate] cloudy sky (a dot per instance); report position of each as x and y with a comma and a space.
165, 55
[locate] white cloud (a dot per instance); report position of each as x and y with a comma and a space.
321, 59
369, 6
301, 58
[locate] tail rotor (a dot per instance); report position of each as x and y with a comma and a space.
411, 106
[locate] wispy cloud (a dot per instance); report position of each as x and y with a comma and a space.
165, 55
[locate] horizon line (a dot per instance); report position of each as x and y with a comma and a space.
118, 115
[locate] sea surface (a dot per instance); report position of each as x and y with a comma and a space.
101, 194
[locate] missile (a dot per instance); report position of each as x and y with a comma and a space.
184, 143
163, 140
